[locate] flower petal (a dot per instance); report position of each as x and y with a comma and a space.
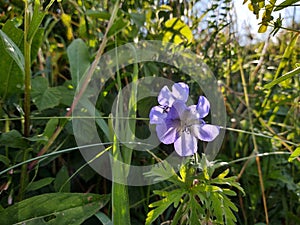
177, 109
203, 106
166, 135
165, 97
180, 91
157, 115
205, 132
186, 144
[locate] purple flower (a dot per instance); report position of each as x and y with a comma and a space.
166, 98
180, 91
180, 124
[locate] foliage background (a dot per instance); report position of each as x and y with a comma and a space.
261, 120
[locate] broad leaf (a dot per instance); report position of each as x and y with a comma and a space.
79, 58
13, 50
11, 76
54, 208
13, 139
177, 32
43, 96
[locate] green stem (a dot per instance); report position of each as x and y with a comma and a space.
27, 90
27, 83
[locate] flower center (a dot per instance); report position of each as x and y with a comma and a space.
188, 119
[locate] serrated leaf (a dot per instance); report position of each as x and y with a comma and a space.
217, 206
196, 211
161, 205
79, 58
164, 171
54, 208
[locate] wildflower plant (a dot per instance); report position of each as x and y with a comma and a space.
198, 194
180, 124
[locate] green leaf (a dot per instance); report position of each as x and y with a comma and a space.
36, 43
164, 171
285, 4
103, 218
36, 21
195, 211
176, 31
4, 160
12, 77
161, 205
283, 78
54, 208
61, 183
295, 154
67, 93
50, 127
13, 139
39, 184
223, 174
118, 25
286, 55
120, 198
79, 58
43, 96
13, 50
104, 15
138, 18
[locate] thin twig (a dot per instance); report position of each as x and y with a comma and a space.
255, 151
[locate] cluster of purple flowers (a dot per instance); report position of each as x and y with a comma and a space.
181, 124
